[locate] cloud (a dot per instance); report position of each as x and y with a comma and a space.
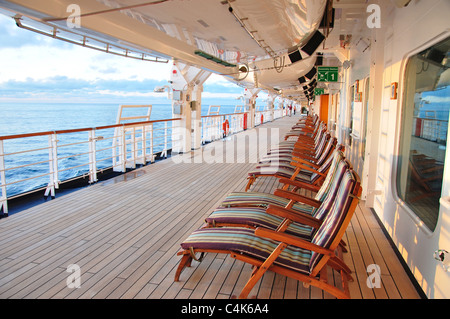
38, 68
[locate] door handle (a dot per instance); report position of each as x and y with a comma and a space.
443, 257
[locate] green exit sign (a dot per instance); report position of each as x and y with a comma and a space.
327, 74
319, 91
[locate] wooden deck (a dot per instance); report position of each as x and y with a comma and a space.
124, 234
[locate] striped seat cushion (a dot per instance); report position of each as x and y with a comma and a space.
325, 194
256, 217
242, 240
262, 200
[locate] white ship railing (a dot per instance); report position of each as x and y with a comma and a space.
279, 113
44, 157
213, 125
262, 117
55, 157
430, 129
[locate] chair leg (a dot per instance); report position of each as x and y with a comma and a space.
184, 262
256, 275
250, 182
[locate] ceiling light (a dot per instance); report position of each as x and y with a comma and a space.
313, 43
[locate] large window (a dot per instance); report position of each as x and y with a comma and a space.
424, 131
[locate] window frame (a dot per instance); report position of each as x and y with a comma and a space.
397, 149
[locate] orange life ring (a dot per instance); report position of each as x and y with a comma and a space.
262, 119
226, 127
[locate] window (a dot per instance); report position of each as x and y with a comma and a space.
424, 128
365, 118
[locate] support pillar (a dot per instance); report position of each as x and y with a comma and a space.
187, 86
250, 96
271, 106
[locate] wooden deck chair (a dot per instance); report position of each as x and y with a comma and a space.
304, 133
427, 175
298, 169
288, 255
260, 199
299, 149
303, 130
239, 210
301, 141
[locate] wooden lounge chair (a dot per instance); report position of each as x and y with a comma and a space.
239, 210
303, 260
299, 148
310, 171
427, 175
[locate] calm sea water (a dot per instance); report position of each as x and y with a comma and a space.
33, 117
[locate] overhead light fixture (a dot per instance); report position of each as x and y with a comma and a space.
319, 60
313, 83
295, 54
311, 73
313, 43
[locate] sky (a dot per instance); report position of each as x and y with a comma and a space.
36, 68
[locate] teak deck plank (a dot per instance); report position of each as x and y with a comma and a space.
124, 234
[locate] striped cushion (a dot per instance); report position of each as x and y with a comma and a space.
324, 154
244, 241
325, 235
325, 194
262, 200
334, 175
256, 217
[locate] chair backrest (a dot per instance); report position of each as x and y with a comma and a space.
336, 220
325, 166
327, 150
334, 176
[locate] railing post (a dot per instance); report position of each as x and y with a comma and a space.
92, 157
151, 142
4, 197
53, 166
123, 149
144, 145
165, 140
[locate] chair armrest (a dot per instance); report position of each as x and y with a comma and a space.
301, 160
294, 216
293, 240
297, 197
307, 168
299, 184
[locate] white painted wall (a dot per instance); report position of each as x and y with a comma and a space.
404, 32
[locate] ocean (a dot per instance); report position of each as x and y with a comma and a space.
22, 118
